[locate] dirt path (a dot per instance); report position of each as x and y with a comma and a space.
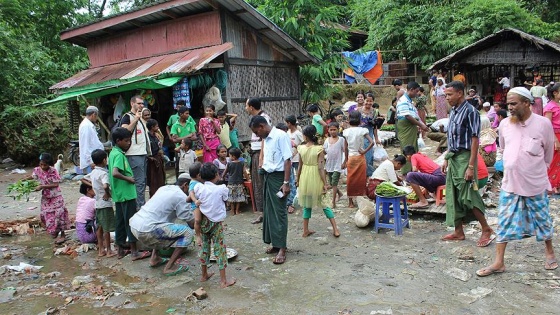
359, 273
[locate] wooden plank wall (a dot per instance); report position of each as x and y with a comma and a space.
185, 33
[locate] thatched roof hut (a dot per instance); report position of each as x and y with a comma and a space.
508, 50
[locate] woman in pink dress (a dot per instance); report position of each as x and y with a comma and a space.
54, 214
209, 129
552, 112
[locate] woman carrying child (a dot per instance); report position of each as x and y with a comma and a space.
85, 215
311, 171
317, 121
337, 152
209, 128
355, 136
54, 214
235, 170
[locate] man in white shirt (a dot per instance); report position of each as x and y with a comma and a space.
253, 108
438, 132
154, 224
276, 166
139, 151
88, 139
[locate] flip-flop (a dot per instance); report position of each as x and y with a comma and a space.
272, 250
551, 264
486, 271
163, 261
143, 255
278, 260
125, 253
258, 220
451, 237
180, 269
485, 242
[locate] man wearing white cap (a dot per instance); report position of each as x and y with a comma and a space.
88, 139
527, 140
489, 111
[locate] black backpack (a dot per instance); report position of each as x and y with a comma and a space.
118, 123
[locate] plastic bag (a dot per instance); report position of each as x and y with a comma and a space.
421, 144
379, 154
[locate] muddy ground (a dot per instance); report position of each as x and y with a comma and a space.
359, 273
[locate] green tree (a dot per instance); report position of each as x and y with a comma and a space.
312, 23
424, 31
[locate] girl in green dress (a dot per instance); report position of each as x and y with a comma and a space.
311, 172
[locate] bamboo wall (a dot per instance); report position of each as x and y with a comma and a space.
278, 87
512, 52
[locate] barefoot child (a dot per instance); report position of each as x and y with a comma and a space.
208, 222
85, 215
336, 151
104, 213
54, 214
123, 192
311, 171
356, 178
235, 171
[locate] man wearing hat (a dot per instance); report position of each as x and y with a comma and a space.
88, 139
463, 202
528, 143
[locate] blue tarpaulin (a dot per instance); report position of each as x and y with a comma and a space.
361, 62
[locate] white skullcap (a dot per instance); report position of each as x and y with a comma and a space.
486, 104
523, 92
185, 175
91, 109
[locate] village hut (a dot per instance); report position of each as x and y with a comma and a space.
508, 51
179, 49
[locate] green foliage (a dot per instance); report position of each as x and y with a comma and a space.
27, 131
424, 31
312, 24
22, 189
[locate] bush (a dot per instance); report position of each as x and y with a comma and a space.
27, 131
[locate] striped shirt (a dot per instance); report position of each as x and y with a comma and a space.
406, 108
464, 123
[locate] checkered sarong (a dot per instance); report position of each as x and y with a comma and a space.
520, 217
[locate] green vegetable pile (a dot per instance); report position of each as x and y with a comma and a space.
22, 189
386, 189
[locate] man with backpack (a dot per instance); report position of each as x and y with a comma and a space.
139, 150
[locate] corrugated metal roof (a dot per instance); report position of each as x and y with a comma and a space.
181, 62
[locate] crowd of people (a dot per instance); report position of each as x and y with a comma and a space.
289, 164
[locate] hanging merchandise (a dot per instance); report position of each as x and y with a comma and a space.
181, 92
221, 79
213, 97
119, 108
201, 81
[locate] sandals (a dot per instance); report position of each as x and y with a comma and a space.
163, 261
487, 271
291, 209
551, 264
278, 260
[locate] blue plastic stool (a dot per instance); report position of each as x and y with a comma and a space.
398, 220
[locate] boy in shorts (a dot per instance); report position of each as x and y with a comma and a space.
104, 213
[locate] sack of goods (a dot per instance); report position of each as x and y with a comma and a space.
365, 213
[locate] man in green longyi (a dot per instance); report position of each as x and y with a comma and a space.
277, 152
